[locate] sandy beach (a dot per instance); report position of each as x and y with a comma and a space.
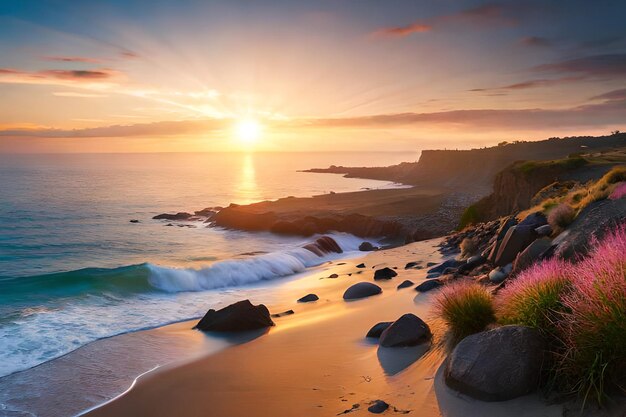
317, 362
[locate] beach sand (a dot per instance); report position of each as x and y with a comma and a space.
317, 362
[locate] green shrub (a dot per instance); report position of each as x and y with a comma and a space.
466, 307
469, 216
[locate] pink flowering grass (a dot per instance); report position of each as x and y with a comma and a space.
594, 329
534, 298
466, 307
619, 191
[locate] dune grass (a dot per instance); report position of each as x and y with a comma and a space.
534, 298
593, 328
466, 307
561, 216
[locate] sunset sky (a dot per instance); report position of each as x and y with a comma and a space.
150, 76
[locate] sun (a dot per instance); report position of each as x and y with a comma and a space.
248, 131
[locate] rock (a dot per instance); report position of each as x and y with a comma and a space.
378, 329
472, 262
499, 274
411, 265
378, 407
408, 330
450, 263
531, 254
284, 313
545, 230
134, 221
405, 284
433, 275
361, 265
366, 247
308, 298
428, 285
237, 317
516, 240
429, 264
361, 290
449, 271
385, 273
496, 365
534, 220
333, 276
593, 221
178, 216
505, 225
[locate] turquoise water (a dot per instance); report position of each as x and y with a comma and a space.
73, 269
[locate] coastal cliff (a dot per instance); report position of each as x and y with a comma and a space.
476, 167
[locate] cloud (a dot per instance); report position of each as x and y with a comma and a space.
401, 31
490, 14
542, 82
612, 95
101, 76
590, 66
72, 59
164, 128
535, 41
77, 95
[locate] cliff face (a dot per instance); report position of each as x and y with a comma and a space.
477, 167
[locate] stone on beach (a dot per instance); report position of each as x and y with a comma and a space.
405, 284
533, 253
237, 317
361, 265
378, 329
408, 330
428, 285
308, 298
499, 274
283, 314
385, 273
323, 245
361, 290
378, 407
496, 365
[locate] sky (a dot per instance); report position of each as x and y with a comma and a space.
341, 75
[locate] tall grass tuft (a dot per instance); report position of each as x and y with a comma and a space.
466, 307
561, 216
534, 298
594, 328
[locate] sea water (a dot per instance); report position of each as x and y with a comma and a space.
73, 269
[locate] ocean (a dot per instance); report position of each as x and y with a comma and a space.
73, 269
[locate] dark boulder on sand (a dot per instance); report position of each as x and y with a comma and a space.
366, 247
178, 216
308, 298
238, 317
385, 273
378, 407
378, 329
361, 265
428, 285
361, 290
496, 365
283, 313
408, 330
414, 264
405, 284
